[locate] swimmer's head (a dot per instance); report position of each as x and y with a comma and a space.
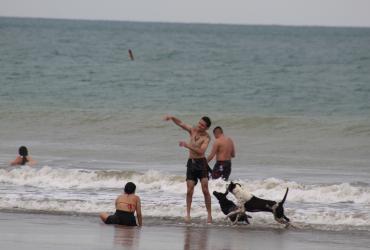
23, 151
204, 123
130, 188
217, 131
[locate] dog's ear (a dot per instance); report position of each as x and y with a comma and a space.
229, 185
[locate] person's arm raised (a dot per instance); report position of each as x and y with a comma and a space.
178, 122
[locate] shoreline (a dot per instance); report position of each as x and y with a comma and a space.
43, 231
196, 222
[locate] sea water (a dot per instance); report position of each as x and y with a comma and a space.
295, 100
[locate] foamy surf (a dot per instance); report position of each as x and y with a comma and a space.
157, 181
338, 206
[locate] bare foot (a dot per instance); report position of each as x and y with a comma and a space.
187, 219
209, 219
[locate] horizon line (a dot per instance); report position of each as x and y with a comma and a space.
185, 22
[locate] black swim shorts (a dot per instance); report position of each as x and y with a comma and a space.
197, 169
221, 169
122, 218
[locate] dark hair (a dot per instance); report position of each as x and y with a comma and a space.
218, 127
24, 153
207, 121
130, 188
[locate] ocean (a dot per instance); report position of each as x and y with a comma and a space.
295, 100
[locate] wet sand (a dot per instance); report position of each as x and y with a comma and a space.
45, 231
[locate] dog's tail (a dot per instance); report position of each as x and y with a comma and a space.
283, 200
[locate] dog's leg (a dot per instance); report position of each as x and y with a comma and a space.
292, 226
284, 222
281, 221
233, 212
241, 211
286, 218
246, 218
237, 218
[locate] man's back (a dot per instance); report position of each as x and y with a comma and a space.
225, 148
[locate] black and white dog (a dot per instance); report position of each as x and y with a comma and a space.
249, 202
227, 206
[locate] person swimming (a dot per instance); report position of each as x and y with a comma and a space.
23, 158
126, 205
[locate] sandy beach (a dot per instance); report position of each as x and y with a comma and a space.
45, 231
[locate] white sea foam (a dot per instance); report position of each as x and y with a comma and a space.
322, 206
156, 181
320, 218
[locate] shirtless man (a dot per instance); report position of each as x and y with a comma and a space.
224, 150
197, 166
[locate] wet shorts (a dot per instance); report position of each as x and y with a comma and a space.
221, 169
197, 169
122, 218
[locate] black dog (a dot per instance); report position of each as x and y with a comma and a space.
249, 202
227, 206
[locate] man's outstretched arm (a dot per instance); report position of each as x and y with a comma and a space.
178, 122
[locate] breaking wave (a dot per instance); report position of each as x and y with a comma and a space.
338, 206
151, 180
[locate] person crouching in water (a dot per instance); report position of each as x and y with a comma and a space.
224, 149
126, 205
23, 158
